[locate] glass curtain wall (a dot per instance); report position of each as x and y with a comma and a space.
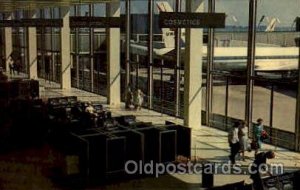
88, 54
229, 66
99, 52
168, 69
164, 67
49, 51
19, 45
276, 70
84, 49
74, 39
55, 48
139, 59
40, 47
2, 47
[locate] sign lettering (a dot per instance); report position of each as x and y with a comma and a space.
95, 22
191, 20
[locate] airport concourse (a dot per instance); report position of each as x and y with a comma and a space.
149, 94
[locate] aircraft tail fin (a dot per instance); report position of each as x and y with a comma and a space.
164, 6
167, 33
272, 24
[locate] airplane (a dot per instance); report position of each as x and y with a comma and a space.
282, 62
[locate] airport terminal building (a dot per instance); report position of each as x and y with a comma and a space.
200, 66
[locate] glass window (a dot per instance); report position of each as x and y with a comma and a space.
72, 11
100, 10
47, 13
84, 10
229, 64
276, 69
56, 13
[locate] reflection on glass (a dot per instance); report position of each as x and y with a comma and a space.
84, 73
84, 40
84, 10
236, 99
284, 118
276, 67
261, 102
218, 118
100, 10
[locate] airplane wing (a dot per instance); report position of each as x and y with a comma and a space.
142, 49
276, 65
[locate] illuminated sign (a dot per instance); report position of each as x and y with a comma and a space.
191, 20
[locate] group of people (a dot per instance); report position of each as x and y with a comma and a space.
134, 99
239, 141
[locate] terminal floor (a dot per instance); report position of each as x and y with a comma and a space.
24, 169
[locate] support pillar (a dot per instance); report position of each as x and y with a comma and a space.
193, 73
209, 66
32, 49
250, 61
113, 58
8, 44
65, 50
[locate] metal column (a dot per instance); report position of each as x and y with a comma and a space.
91, 9
162, 85
251, 60
137, 67
297, 126
43, 41
177, 66
127, 70
209, 66
77, 13
226, 102
52, 63
271, 112
150, 53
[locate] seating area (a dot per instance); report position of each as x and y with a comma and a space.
103, 147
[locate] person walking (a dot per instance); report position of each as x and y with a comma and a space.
243, 138
139, 99
233, 141
11, 65
257, 131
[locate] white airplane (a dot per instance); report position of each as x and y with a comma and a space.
276, 60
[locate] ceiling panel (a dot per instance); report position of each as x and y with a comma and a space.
12, 5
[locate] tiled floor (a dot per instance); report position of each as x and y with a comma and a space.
209, 144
